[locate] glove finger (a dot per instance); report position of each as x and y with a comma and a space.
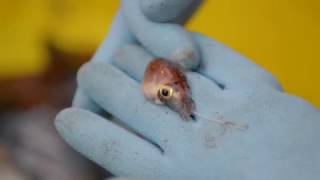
166, 40
154, 9
117, 37
230, 69
122, 97
112, 147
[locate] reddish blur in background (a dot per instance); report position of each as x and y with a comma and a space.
43, 43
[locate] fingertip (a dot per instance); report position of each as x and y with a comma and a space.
59, 120
65, 121
187, 58
84, 69
163, 10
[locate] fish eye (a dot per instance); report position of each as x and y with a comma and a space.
166, 92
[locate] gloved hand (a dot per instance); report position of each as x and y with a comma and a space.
280, 142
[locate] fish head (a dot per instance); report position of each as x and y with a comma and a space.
165, 83
175, 96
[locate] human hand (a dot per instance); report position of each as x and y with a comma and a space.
279, 143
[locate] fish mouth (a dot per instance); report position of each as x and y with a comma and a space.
183, 107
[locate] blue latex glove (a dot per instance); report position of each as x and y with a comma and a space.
280, 142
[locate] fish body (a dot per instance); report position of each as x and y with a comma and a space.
165, 83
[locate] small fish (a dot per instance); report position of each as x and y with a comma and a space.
165, 83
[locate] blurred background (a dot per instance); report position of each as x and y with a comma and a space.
43, 43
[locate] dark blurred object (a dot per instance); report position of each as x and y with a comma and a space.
54, 87
39, 152
30, 147
21, 93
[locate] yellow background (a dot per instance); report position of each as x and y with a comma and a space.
280, 35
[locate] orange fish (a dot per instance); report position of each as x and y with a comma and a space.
165, 83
